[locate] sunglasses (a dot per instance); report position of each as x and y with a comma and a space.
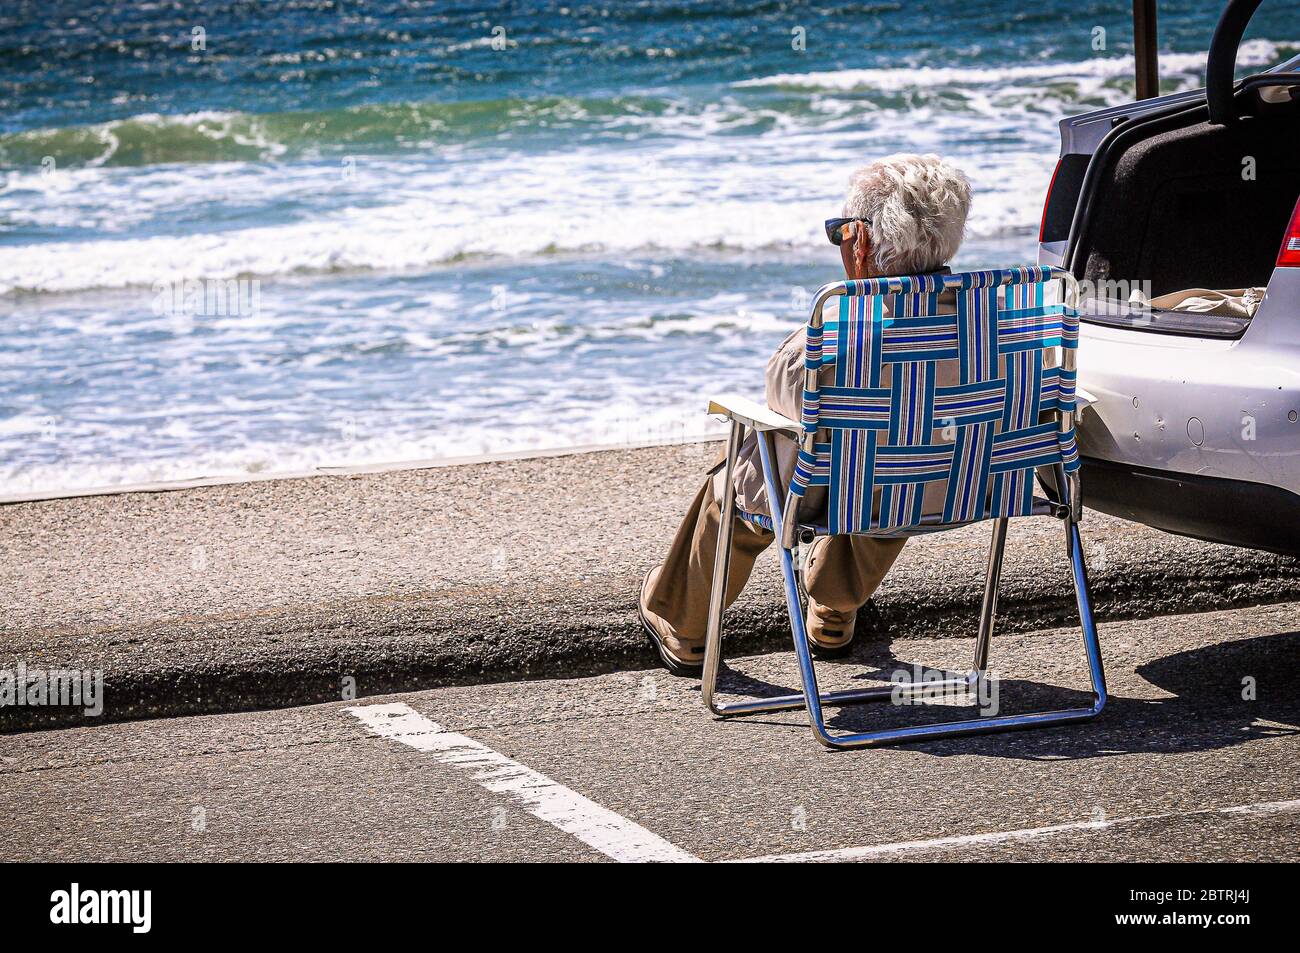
837, 229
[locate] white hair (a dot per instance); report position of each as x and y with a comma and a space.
917, 206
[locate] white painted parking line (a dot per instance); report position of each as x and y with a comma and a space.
1003, 837
611, 834
617, 837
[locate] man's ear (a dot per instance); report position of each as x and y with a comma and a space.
861, 249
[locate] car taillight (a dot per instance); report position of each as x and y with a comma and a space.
1289, 256
1047, 200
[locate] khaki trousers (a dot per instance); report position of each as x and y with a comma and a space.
842, 574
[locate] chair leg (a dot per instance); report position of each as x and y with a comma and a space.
813, 700
721, 570
989, 607
1083, 596
810, 699
995, 723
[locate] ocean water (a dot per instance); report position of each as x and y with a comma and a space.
252, 237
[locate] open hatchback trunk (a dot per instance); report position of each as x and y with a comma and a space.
1196, 424
1177, 203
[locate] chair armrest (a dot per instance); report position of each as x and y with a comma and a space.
1083, 399
753, 414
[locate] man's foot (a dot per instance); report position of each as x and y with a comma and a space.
680, 657
830, 633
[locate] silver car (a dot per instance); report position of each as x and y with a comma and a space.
1179, 216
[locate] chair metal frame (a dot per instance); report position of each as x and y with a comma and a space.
790, 534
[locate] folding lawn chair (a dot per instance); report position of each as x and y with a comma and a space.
886, 430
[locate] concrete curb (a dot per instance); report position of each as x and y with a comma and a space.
389, 648
269, 627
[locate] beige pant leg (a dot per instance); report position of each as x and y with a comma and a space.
680, 596
844, 571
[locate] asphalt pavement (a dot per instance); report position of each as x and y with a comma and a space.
285, 592
1193, 759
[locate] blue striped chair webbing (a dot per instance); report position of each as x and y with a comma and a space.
965, 400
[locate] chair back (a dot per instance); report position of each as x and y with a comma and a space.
955, 410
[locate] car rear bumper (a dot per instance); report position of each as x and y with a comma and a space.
1229, 410
1220, 510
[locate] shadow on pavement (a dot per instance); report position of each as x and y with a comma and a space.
1222, 695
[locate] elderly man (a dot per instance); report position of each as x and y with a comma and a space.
904, 215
